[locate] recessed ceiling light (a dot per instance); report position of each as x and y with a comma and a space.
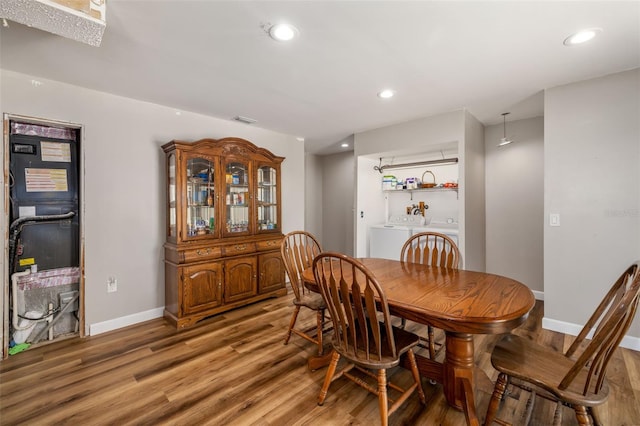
581, 36
386, 94
345, 145
283, 32
299, 139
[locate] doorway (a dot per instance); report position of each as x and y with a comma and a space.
43, 286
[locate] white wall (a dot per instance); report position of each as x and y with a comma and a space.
592, 179
514, 202
313, 195
472, 192
125, 184
413, 136
338, 197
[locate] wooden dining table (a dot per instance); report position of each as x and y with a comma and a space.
460, 302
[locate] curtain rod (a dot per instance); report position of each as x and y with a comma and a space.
380, 168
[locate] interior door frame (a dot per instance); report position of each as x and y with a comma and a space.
4, 224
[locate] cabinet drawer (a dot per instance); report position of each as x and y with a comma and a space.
203, 253
238, 248
269, 244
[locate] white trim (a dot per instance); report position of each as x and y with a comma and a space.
539, 295
116, 323
628, 342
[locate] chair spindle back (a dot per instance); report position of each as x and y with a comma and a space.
431, 248
611, 321
298, 250
357, 305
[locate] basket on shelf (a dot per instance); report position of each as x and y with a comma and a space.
428, 184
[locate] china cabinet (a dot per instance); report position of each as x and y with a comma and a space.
224, 229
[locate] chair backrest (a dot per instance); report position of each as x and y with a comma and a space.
609, 323
298, 250
358, 307
431, 248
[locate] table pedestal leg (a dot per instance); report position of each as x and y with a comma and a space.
458, 364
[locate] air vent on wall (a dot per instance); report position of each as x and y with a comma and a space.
245, 120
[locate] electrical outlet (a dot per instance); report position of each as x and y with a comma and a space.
112, 285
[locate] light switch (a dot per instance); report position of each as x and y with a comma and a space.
554, 219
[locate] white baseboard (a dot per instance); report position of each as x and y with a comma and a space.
628, 342
539, 295
114, 324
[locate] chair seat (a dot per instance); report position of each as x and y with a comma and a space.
312, 301
526, 360
404, 341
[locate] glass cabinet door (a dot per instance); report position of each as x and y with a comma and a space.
171, 197
237, 198
201, 196
267, 199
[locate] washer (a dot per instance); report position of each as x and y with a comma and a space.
386, 240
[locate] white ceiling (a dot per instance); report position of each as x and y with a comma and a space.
214, 58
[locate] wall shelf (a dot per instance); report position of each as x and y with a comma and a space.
411, 191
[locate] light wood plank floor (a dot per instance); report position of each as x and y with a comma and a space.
233, 369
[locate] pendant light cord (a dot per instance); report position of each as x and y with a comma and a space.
504, 124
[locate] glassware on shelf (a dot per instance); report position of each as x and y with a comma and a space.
200, 197
237, 198
267, 198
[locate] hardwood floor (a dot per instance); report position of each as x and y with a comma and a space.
233, 369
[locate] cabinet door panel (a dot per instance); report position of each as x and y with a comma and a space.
238, 201
200, 183
240, 278
202, 287
271, 272
268, 198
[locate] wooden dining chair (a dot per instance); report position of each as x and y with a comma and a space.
363, 333
431, 248
298, 250
575, 378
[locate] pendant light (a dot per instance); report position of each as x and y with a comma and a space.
504, 141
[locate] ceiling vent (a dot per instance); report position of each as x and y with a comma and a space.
245, 120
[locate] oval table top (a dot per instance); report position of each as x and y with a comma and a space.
454, 300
